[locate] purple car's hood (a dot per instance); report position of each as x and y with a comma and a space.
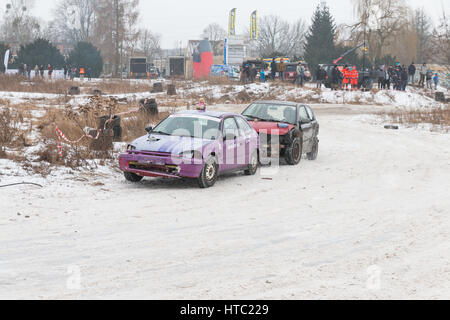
169, 144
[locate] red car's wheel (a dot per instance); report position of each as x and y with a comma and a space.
294, 153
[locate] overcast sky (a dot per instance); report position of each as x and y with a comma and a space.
182, 20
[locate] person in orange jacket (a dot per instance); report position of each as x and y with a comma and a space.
354, 75
82, 72
346, 80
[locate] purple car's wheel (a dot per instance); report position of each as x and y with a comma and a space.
209, 173
132, 177
253, 165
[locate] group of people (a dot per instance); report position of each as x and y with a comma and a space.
39, 71
70, 72
249, 72
345, 79
398, 77
426, 76
401, 76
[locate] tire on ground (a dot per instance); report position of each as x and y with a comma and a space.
132, 177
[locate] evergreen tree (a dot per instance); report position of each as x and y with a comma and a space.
40, 52
320, 47
86, 55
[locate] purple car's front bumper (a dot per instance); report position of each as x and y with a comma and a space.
155, 164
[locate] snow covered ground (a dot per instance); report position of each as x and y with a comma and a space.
369, 219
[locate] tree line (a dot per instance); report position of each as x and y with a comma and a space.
109, 25
391, 29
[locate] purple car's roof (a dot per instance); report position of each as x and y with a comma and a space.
213, 114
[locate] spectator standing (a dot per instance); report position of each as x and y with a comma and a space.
335, 78
412, 73
300, 74
346, 78
395, 79
65, 72
36, 71
373, 75
423, 73
381, 77
262, 76
387, 78
50, 71
253, 73
82, 72
273, 69
74, 73
282, 69
88, 73
41, 71
320, 77
436, 81
404, 78
354, 74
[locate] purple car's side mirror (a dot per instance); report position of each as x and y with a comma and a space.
149, 129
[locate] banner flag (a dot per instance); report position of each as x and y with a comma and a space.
6, 60
254, 25
232, 23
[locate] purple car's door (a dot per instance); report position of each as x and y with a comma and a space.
230, 133
245, 144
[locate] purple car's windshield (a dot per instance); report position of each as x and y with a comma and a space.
271, 112
189, 126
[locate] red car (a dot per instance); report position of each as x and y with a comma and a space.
286, 130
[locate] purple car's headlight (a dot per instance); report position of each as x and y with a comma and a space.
191, 154
131, 147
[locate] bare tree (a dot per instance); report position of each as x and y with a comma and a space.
74, 20
214, 33
379, 21
115, 31
441, 36
18, 23
423, 30
278, 37
150, 44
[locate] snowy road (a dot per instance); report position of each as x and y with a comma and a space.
369, 219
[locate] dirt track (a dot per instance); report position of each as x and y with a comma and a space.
368, 219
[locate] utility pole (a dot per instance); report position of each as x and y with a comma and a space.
365, 45
117, 57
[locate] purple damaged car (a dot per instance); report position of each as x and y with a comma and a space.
193, 144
